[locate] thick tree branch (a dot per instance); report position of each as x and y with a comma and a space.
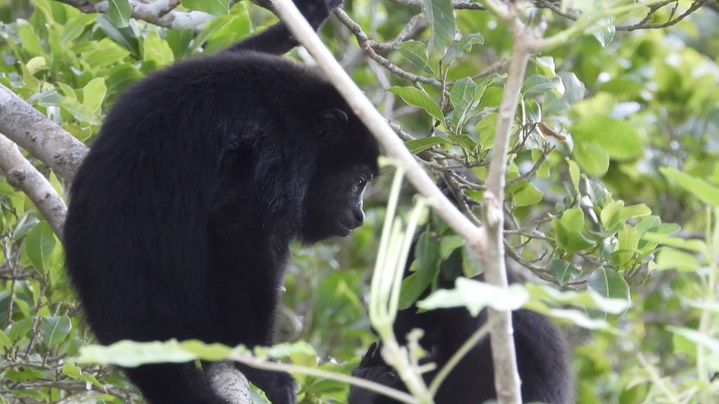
506, 376
21, 174
229, 383
456, 4
40, 136
159, 12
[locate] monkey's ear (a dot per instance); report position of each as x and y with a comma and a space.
333, 121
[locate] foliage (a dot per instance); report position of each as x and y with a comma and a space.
612, 186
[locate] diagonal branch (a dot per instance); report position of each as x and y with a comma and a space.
160, 12
23, 175
40, 136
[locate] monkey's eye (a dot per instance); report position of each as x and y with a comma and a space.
359, 183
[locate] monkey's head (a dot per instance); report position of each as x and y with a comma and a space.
346, 163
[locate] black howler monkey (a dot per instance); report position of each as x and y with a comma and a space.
540, 348
202, 174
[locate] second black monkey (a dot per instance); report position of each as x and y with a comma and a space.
541, 352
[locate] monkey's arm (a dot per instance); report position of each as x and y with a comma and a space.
277, 39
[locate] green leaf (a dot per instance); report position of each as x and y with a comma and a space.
36, 64
670, 258
132, 354
415, 53
40, 245
475, 296
461, 47
573, 219
574, 317
540, 84
75, 26
574, 89
587, 299
574, 174
213, 352
464, 142
122, 77
592, 157
179, 41
564, 271
465, 97
119, 12
106, 54
487, 128
471, 264
419, 145
627, 248
71, 370
20, 329
608, 284
223, 31
426, 264
55, 329
698, 187
413, 96
5, 341
569, 231
94, 93
88, 377
424, 270
619, 140
214, 7
615, 214
72, 105
698, 338
448, 244
125, 37
605, 35
283, 350
468, 40
676, 242
156, 49
545, 66
440, 15
524, 193
29, 40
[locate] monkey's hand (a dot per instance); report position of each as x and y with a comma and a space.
315, 11
373, 368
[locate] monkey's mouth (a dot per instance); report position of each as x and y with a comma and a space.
343, 230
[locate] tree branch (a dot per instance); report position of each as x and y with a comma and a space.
228, 382
40, 136
506, 376
456, 4
159, 12
21, 174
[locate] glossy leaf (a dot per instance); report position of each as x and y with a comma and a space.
413, 96
214, 7
55, 329
440, 15
41, 244
119, 12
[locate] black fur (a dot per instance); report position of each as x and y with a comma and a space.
202, 174
541, 356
